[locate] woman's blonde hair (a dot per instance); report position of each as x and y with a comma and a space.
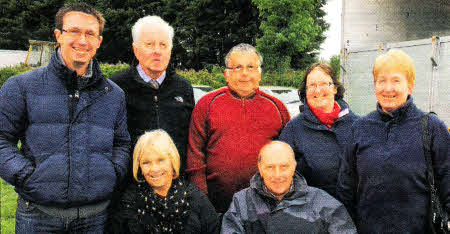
161, 142
395, 59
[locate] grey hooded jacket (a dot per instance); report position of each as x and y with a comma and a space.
304, 210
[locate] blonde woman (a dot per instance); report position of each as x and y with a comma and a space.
383, 181
161, 201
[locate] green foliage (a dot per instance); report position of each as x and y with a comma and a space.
110, 69
212, 77
216, 79
204, 29
26, 19
7, 72
107, 69
335, 62
291, 30
8, 205
289, 78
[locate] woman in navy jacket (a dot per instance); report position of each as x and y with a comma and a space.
319, 134
383, 180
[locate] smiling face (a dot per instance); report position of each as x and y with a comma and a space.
392, 88
243, 73
157, 170
153, 50
320, 90
79, 40
277, 168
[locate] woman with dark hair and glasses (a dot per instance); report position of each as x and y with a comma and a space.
318, 135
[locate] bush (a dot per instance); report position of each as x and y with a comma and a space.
214, 77
110, 69
7, 72
107, 69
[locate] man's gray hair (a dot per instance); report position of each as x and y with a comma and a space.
243, 47
151, 21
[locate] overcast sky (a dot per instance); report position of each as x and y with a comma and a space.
332, 45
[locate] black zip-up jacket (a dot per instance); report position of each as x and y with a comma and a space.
168, 107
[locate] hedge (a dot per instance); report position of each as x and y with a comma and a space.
212, 77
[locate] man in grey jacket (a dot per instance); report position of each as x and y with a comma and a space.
279, 200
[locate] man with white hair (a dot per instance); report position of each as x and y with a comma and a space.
157, 98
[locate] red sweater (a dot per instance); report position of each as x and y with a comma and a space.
225, 136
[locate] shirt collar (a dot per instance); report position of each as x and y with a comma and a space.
147, 78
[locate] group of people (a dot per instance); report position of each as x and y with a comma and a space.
134, 154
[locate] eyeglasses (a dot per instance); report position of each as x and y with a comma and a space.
239, 68
77, 34
321, 85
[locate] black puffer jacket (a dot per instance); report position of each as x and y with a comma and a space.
134, 213
167, 108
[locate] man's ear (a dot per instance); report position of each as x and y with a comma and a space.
226, 73
100, 39
58, 35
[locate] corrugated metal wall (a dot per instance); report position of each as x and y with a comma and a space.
432, 84
371, 22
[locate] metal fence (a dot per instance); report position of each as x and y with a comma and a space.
432, 63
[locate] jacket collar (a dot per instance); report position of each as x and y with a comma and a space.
300, 187
400, 113
314, 123
68, 76
168, 77
235, 95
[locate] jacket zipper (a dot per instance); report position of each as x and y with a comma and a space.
73, 104
155, 101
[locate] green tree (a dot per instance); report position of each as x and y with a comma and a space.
335, 62
292, 31
22, 20
205, 30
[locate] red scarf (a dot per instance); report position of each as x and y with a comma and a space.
326, 119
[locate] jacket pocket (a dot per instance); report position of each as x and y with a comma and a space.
102, 177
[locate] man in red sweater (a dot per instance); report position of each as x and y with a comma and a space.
229, 126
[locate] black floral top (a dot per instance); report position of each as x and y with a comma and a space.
185, 209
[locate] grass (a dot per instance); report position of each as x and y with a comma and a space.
8, 205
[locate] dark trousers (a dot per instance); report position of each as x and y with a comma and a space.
30, 219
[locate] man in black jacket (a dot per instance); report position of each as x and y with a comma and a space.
156, 97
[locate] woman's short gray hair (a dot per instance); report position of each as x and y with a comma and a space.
243, 47
151, 21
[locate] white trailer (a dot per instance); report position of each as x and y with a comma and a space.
372, 27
